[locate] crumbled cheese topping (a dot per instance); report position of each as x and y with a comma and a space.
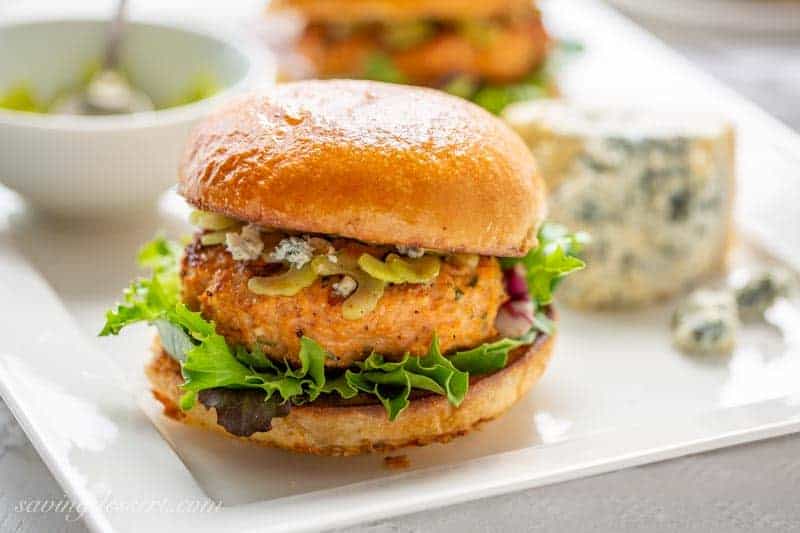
246, 245
410, 251
293, 250
345, 287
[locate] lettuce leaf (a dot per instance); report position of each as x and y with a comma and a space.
174, 339
212, 364
148, 300
391, 381
547, 264
491, 356
206, 359
243, 413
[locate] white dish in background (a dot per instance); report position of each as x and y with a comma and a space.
616, 395
83, 166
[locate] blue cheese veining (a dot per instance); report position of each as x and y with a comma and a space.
654, 190
295, 251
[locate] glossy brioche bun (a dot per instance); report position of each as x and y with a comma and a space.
377, 162
345, 429
398, 10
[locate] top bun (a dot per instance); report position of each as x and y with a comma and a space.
381, 163
398, 10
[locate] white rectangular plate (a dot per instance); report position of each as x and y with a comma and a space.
616, 394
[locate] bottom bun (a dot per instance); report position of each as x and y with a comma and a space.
350, 428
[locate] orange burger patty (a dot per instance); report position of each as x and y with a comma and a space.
460, 306
515, 49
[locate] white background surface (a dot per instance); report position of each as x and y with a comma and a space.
742, 489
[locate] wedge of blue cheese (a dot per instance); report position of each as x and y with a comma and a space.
653, 189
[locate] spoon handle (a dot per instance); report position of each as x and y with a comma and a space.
114, 36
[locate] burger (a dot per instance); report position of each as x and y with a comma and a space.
370, 270
491, 52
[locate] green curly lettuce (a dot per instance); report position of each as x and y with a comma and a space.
392, 381
148, 299
206, 359
550, 262
211, 364
491, 356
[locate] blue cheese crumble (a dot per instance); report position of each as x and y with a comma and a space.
295, 251
245, 245
345, 287
410, 251
706, 322
760, 291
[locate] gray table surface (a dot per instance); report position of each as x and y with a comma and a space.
746, 488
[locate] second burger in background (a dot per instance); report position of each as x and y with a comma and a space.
492, 52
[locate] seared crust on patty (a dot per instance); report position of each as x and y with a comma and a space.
341, 429
460, 306
371, 161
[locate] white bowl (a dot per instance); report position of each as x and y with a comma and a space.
99, 166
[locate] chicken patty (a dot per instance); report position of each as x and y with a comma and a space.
507, 53
460, 306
